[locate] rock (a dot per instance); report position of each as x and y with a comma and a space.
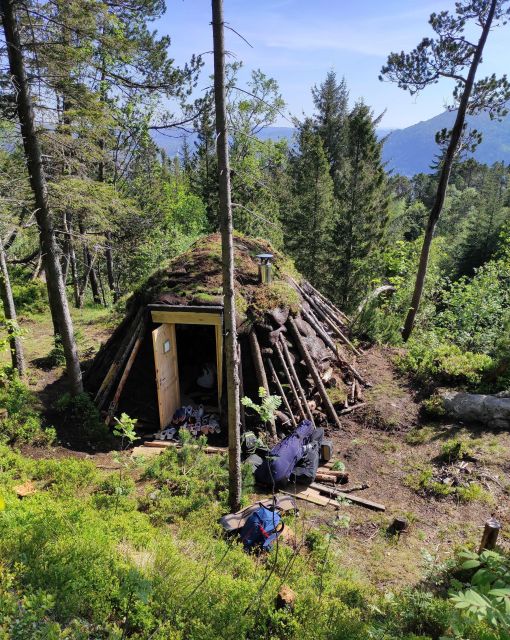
326, 376
492, 411
280, 315
304, 328
274, 335
316, 348
286, 598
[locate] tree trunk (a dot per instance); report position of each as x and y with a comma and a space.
17, 356
444, 177
90, 273
68, 227
109, 267
33, 156
227, 251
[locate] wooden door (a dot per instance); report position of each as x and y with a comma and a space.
167, 372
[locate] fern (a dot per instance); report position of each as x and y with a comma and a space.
267, 407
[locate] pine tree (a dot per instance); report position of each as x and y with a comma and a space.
450, 54
309, 221
363, 209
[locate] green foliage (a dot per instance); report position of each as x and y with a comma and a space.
30, 297
266, 409
22, 424
434, 406
86, 557
474, 492
443, 363
310, 212
456, 449
125, 429
79, 413
56, 356
422, 480
485, 594
187, 479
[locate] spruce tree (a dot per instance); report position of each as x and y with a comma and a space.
363, 209
331, 103
309, 221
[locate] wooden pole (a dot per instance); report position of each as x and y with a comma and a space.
290, 380
341, 314
227, 257
315, 374
241, 387
490, 534
281, 392
260, 372
297, 381
119, 359
125, 374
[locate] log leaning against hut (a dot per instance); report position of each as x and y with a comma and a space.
294, 342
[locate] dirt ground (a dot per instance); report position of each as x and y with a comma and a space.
383, 444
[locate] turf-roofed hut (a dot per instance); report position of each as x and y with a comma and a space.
293, 342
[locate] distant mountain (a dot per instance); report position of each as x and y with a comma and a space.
406, 151
412, 150
172, 143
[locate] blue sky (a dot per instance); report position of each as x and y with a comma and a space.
298, 41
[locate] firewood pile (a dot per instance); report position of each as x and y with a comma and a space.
308, 360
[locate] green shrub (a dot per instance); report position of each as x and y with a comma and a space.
485, 593
419, 435
443, 363
56, 356
456, 449
80, 414
186, 480
474, 492
23, 424
433, 406
31, 297
422, 481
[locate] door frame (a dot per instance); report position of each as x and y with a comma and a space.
209, 316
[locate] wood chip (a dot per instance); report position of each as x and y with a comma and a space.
26, 489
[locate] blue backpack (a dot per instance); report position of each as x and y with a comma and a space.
261, 529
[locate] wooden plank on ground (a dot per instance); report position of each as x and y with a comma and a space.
162, 444
310, 495
334, 493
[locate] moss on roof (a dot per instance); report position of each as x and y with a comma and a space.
195, 278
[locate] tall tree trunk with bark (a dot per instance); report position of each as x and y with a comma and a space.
33, 156
17, 356
109, 267
444, 176
227, 251
68, 227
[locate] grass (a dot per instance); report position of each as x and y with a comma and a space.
420, 435
91, 325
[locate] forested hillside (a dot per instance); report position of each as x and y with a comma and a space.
402, 272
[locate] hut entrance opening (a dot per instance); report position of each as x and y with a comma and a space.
188, 358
